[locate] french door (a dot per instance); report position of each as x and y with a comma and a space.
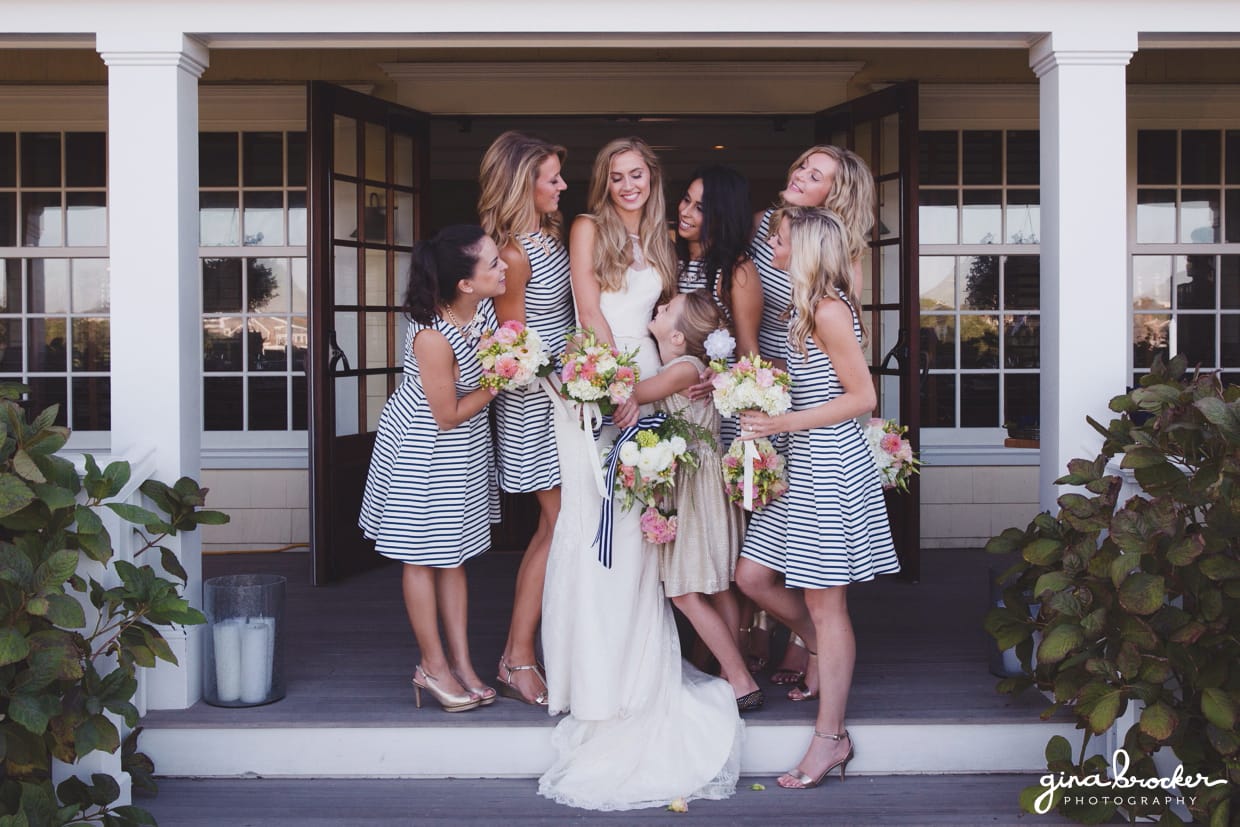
368, 162
882, 129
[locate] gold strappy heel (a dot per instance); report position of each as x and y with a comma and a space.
806, 782
509, 690
486, 694
450, 701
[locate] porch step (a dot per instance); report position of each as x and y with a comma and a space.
512, 750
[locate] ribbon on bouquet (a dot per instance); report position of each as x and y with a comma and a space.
602, 538
751, 454
590, 420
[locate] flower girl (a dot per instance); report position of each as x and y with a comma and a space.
697, 565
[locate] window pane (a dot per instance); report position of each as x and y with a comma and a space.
219, 220
11, 286
1233, 214
1156, 156
1194, 335
301, 403
1155, 216
937, 158
8, 219
92, 347
1020, 400
86, 159
266, 284
264, 219
403, 159
983, 157
937, 278
403, 219
222, 403
376, 152
296, 159
297, 218
40, 159
1151, 282
344, 210
1231, 281
1200, 161
938, 341
47, 285
1194, 282
267, 344
1229, 339
91, 292
8, 159
1149, 338
979, 400
41, 219
92, 403
938, 401
1021, 278
1233, 157
87, 219
981, 282
979, 341
11, 345
1023, 159
297, 271
345, 143
1024, 218
217, 159
936, 217
45, 341
981, 221
1020, 341
46, 392
299, 341
262, 159
376, 216
221, 344
221, 285
1199, 216
268, 403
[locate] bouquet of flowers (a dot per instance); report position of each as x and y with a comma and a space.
646, 472
658, 526
512, 356
893, 453
752, 384
769, 480
592, 371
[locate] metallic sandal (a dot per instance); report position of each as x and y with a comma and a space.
509, 690
805, 780
451, 702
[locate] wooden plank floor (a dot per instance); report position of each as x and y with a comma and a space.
922, 654
960, 801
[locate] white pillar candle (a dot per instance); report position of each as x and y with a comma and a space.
227, 639
255, 661
270, 623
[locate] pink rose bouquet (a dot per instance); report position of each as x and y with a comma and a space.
769, 476
893, 453
752, 384
658, 526
592, 371
512, 356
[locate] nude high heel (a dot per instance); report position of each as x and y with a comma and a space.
807, 782
450, 702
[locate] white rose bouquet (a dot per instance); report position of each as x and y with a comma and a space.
595, 372
512, 356
893, 453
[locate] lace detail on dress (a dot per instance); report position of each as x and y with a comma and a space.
639, 259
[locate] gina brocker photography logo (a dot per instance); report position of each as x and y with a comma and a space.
1120, 789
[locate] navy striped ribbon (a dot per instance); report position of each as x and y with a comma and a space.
602, 537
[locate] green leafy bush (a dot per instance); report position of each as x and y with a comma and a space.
1140, 601
60, 670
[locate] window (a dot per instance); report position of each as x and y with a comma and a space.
54, 287
252, 237
978, 234
1186, 262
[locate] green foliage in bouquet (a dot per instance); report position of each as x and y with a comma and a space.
1139, 602
60, 672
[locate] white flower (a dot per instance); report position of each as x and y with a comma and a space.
648, 462
720, 344
582, 389
679, 446
629, 453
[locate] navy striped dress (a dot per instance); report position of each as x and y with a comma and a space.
525, 435
692, 277
831, 527
776, 294
430, 495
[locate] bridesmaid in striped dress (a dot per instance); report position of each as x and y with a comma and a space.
520, 209
430, 496
837, 179
830, 529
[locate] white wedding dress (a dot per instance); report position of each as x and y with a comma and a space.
644, 727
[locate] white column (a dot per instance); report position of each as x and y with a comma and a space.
1085, 318
156, 303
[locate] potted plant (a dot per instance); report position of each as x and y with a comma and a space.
1138, 602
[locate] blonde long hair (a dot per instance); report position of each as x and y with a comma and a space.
820, 267
612, 247
852, 196
507, 176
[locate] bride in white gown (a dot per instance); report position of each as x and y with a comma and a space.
644, 727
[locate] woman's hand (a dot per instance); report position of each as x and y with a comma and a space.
757, 425
703, 388
626, 413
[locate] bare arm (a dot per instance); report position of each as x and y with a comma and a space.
833, 333
746, 304
437, 364
586, 291
665, 383
511, 305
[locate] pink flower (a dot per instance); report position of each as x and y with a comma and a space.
569, 373
513, 325
765, 378
619, 392
890, 443
624, 373
506, 335
906, 451
875, 422
588, 370
507, 366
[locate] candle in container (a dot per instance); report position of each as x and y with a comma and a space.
255, 661
226, 636
270, 623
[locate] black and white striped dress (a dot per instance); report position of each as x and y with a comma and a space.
776, 294
524, 432
430, 495
831, 527
693, 277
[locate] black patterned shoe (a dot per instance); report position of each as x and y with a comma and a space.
751, 702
